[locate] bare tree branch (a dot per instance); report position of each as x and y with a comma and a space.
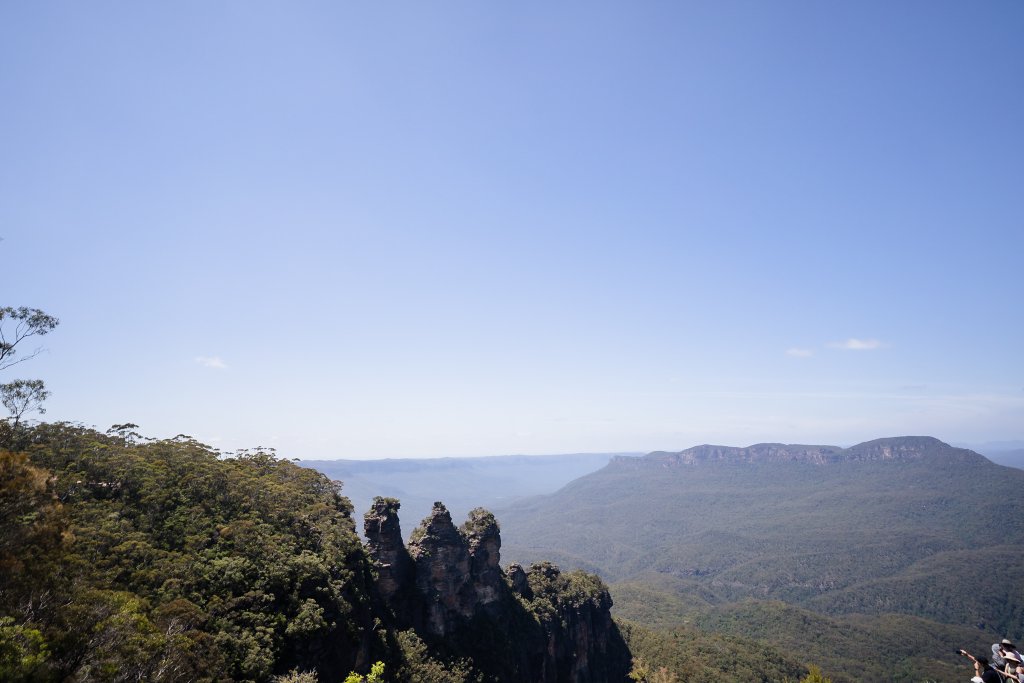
27, 322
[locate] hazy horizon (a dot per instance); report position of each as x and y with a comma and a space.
983, 448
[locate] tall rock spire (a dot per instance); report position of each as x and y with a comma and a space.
384, 535
443, 576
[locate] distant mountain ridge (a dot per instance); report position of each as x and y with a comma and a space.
876, 527
900, 531
902, 448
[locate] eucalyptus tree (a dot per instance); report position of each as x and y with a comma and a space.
16, 326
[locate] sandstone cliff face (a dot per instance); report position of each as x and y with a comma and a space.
913, 448
535, 624
905, 448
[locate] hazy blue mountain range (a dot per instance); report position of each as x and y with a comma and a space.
908, 525
462, 483
876, 561
1009, 453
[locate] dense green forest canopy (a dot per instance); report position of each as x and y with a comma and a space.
160, 560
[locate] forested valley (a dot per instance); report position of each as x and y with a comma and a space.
125, 558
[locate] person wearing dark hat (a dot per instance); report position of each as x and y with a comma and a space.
983, 673
999, 649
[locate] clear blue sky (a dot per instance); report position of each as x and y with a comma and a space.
406, 229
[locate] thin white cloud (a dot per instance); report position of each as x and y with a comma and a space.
796, 352
854, 344
215, 362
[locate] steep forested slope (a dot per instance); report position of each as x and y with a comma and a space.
174, 564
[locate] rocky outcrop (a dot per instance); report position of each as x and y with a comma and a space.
518, 579
582, 641
535, 625
484, 541
443, 578
384, 543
